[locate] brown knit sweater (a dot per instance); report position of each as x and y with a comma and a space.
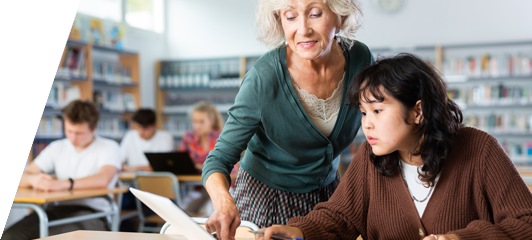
480, 195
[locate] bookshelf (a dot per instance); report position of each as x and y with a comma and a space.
181, 83
491, 82
109, 77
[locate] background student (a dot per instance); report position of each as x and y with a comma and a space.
144, 138
207, 124
81, 161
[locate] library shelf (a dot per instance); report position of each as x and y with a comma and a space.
199, 89
468, 79
498, 107
78, 60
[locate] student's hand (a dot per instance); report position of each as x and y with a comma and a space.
36, 179
224, 220
52, 185
442, 237
281, 230
127, 168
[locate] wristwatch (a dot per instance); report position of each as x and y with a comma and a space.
71, 184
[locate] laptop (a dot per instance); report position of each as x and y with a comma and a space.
178, 163
167, 210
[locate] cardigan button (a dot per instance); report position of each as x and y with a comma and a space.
421, 233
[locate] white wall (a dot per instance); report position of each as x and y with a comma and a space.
151, 47
213, 28
429, 22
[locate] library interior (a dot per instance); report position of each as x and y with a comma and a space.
285, 117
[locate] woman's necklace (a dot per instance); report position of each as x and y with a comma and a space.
411, 194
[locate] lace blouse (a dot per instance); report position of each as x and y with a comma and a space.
323, 113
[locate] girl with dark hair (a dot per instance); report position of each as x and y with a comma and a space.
421, 174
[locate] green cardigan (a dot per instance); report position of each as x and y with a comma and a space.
284, 149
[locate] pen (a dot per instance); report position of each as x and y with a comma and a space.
276, 236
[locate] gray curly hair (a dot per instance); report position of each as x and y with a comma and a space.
270, 30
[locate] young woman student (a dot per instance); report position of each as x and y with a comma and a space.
421, 174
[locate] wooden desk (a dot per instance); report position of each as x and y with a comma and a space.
28, 195
29, 198
91, 235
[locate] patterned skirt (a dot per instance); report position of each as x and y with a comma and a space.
266, 206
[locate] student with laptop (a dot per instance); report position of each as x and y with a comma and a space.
81, 161
144, 138
207, 125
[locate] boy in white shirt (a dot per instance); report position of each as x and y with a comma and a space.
81, 161
145, 138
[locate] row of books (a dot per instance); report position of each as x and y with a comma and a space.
111, 73
98, 32
513, 123
50, 127
114, 101
179, 99
114, 128
489, 65
215, 67
61, 94
74, 65
200, 80
492, 94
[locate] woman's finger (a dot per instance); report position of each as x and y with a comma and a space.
223, 231
208, 226
234, 226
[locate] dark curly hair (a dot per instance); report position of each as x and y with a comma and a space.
409, 79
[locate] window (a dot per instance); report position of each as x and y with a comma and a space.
145, 14
103, 9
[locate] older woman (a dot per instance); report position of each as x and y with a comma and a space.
290, 115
